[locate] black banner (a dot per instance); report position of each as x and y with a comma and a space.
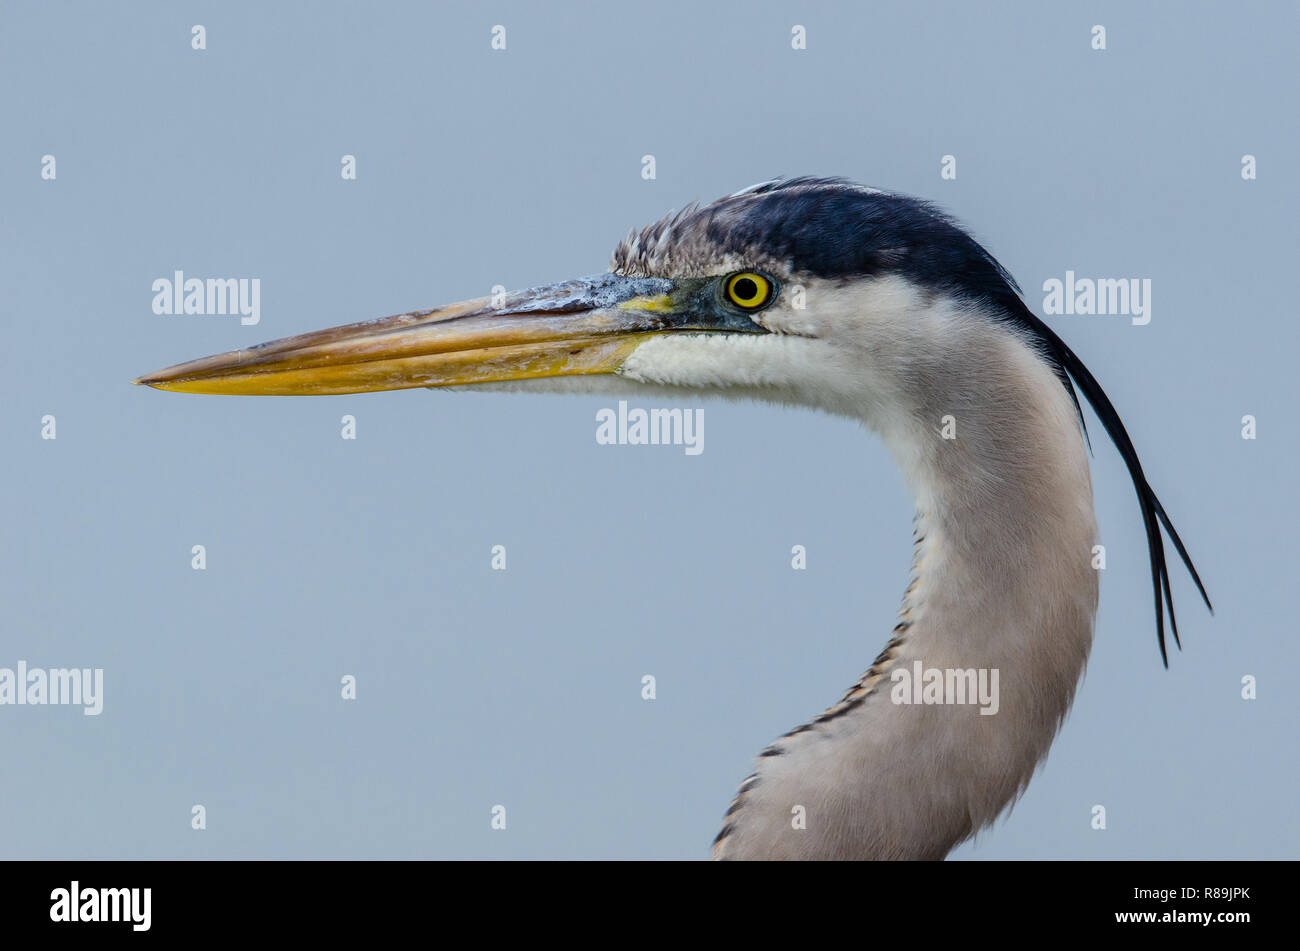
93, 900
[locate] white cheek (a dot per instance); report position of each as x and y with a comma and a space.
787, 320
708, 360
856, 314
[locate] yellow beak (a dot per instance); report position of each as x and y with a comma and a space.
585, 326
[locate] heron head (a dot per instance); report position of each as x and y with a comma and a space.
793, 288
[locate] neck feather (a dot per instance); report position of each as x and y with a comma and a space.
1003, 582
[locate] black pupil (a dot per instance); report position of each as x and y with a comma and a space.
746, 289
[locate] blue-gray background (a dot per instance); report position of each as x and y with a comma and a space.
329, 557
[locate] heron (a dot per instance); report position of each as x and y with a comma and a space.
879, 307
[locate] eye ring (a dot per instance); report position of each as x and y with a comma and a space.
749, 290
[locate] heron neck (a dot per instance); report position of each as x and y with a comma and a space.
996, 624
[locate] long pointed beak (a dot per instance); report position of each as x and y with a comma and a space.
585, 326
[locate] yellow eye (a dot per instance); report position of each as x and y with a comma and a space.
748, 290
